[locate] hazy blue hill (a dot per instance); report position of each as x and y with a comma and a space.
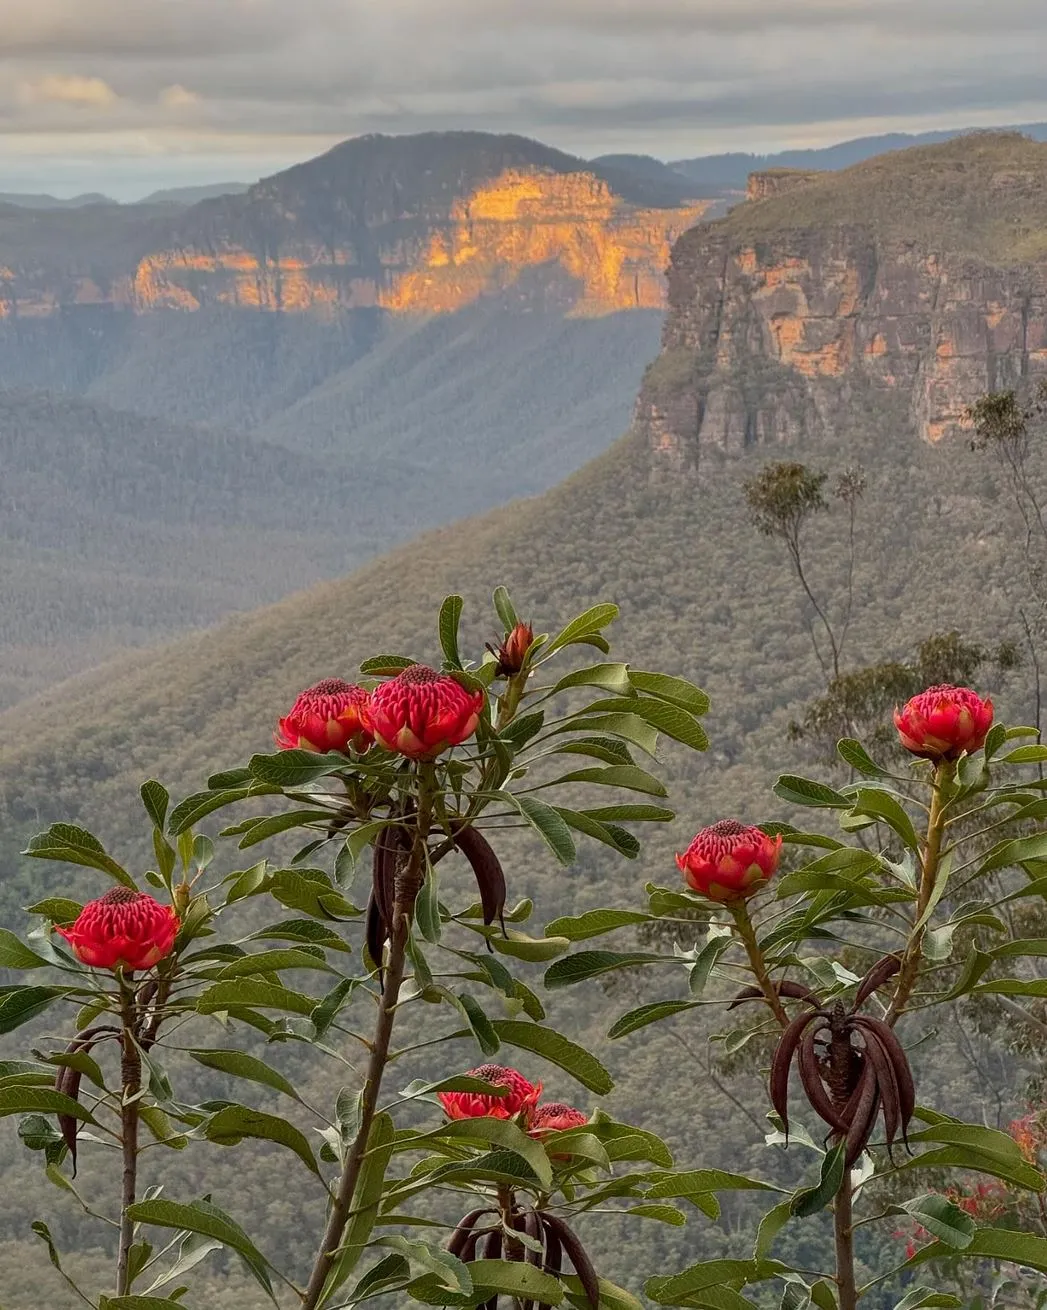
118, 530
486, 400
730, 171
28, 200
192, 195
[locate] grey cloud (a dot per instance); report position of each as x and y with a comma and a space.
573, 71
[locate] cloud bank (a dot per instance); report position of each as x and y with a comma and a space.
188, 88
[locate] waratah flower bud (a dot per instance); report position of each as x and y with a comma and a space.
521, 1097
554, 1116
728, 862
327, 717
124, 927
421, 713
512, 653
943, 722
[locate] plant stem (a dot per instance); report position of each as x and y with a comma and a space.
130, 1081
747, 933
408, 883
913, 956
843, 1229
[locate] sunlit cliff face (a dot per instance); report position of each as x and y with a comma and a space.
614, 254
802, 315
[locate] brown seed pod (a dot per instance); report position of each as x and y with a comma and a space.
458, 1238
875, 978
852, 1068
794, 990
487, 869
578, 1257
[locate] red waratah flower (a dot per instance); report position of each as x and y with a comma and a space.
124, 927
327, 717
728, 862
943, 722
421, 712
554, 1116
521, 1097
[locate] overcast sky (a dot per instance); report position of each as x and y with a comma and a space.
124, 96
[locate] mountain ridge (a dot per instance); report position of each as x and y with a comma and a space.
423, 223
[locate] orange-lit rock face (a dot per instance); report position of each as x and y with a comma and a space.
615, 253
775, 328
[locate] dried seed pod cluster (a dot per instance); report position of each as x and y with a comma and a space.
551, 1241
852, 1068
391, 851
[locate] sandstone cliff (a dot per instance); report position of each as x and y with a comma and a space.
920, 274
425, 224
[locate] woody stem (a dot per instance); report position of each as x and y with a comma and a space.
408, 884
929, 865
843, 1231
747, 935
130, 1080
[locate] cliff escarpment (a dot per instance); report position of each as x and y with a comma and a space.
424, 224
918, 276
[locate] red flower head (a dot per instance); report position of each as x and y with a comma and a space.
521, 1098
554, 1117
512, 653
421, 712
327, 717
943, 722
123, 927
728, 861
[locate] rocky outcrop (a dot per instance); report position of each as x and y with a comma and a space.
777, 181
614, 252
782, 310
413, 225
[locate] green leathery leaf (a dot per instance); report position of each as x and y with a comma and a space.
206, 1219
500, 1133
274, 961
486, 1037
14, 954
235, 1122
590, 964
629, 776
943, 1219
20, 1004
73, 845
239, 992
665, 1214
594, 923
805, 791
610, 677
854, 753
239, 1064
366, 1200
696, 1182
810, 1200
592, 621
645, 1014
583, 1066
873, 801
549, 824
56, 909
505, 609
156, 799
450, 617
994, 1244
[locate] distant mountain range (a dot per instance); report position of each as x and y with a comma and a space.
716, 174
404, 330
430, 325
182, 195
